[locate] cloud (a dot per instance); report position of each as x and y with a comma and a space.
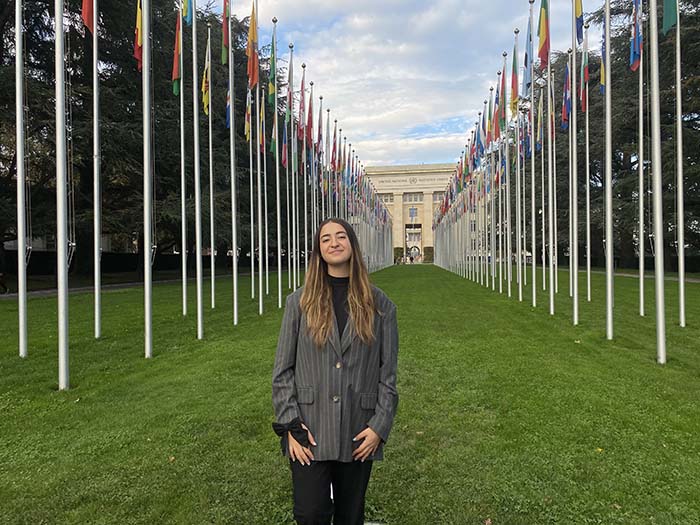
404, 78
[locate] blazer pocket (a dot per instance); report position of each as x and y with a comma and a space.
368, 401
305, 395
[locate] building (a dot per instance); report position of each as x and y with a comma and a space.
411, 195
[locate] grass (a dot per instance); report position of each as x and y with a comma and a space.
505, 413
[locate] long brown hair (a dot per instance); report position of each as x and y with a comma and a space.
316, 298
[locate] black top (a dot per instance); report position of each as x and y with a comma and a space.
340, 300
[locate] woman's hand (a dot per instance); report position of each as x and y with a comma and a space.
297, 452
368, 446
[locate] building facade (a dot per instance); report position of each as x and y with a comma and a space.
411, 195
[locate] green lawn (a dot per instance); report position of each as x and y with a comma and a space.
505, 413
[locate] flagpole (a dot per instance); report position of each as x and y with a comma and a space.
320, 164
183, 196
147, 177
197, 175
550, 191
96, 188
570, 138
232, 154
250, 183
680, 206
542, 195
608, 181
305, 186
640, 169
556, 218
509, 233
533, 222
292, 139
277, 175
212, 241
267, 233
588, 183
21, 176
574, 163
259, 180
518, 218
656, 182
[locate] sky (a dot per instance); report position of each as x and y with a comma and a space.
404, 78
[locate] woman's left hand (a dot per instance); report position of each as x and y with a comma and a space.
368, 446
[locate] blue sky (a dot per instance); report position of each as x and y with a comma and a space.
404, 78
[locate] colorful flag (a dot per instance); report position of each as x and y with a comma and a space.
88, 15
228, 108
543, 34
176, 77
503, 98
514, 83
138, 37
224, 33
273, 137
310, 123
302, 108
566, 102
335, 142
583, 84
497, 115
602, 62
248, 104
527, 73
187, 11
540, 123
636, 36
206, 80
252, 51
670, 15
579, 20
272, 82
319, 138
489, 130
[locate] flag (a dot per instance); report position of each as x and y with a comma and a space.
566, 101
583, 87
302, 109
272, 82
138, 36
527, 73
273, 137
489, 131
543, 34
187, 11
319, 138
206, 80
670, 15
176, 77
502, 100
284, 145
88, 15
310, 123
514, 83
579, 20
602, 63
540, 123
497, 115
228, 108
333, 153
248, 104
224, 33
252, 51
636, 36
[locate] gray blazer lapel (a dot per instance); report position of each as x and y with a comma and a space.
342, 342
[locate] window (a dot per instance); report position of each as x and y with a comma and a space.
413, 197
438, 196
387, 198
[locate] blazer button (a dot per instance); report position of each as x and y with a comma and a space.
336, 399
338, 364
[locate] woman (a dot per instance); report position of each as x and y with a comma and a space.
334, 379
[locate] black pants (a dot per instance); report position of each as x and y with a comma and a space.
311, 485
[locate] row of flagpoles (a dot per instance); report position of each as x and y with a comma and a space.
326, 173
474, 224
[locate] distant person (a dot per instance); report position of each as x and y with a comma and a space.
411, 259
334, 380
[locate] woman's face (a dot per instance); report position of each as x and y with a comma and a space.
335, 244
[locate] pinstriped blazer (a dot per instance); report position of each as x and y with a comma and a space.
341, 389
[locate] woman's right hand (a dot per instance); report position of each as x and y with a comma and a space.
298, 452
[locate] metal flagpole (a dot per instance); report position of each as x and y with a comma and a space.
96, 187
212, 240
518, 215
232, 154
61, 201
250, 184
148, 240
21, 175
292, 141
322, 162
509, 233
305, 186
608, 182
277, 176
588, 182
197, 175
491, 252
542, 193
264, 156
183, 196
680, 207
259, 182
574, 163
656, 182
569, 136
533, 222
550, 190
556, 219
640, 170
523, 199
